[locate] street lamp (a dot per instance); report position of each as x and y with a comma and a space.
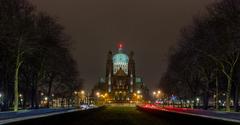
97, 94
46, 98
138, 92
21, 99
198, 101
82, 96
156, 95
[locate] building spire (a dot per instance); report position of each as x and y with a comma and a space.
120, 47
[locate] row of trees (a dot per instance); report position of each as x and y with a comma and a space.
34, 56
206, 62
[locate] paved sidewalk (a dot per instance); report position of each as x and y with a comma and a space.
33, 112
9, 117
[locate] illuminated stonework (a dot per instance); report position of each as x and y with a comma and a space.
120, 60
120, 83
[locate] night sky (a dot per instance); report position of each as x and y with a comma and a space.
147, 27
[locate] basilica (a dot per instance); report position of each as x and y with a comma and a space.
121, 84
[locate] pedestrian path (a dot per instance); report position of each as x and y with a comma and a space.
7, 117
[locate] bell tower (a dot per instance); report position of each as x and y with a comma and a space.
131, 71
109, 65
109, 71
131, 65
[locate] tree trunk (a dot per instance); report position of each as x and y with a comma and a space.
205, 100
25, 95
236, 105
5, 106
16, 99
24, 101
206, 96
217, 94
33, 96
35, 92
62, 102
37, 98
229, 89
49, 92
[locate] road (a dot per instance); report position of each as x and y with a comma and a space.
110, 115
119, 116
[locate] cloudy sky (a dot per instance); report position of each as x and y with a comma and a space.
147, 27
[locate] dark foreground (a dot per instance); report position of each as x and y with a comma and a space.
115, 116
104, 116
120, 116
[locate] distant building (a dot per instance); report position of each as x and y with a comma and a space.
120, 83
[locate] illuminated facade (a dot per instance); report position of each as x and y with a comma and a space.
120, 83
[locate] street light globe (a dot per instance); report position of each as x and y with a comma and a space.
154, 93
98, 94
0, 95
138, 92
20, 95
75, 92
197, 99
138, 97
46, 98
82, 92
159, 92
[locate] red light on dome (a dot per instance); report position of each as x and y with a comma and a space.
120, 46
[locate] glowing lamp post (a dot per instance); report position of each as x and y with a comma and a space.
138, 95
82, 95
21, 99
157, 94
98, 94
198, 102
154, 95
46, 98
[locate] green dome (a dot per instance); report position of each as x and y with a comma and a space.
120, 58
